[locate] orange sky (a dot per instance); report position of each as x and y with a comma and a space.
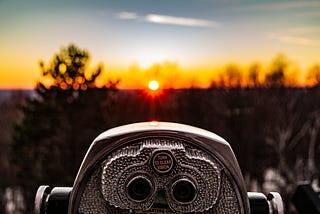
169, 75
175, 77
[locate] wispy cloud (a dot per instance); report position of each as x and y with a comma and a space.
169, 20
183, 21
295, 40
126, 15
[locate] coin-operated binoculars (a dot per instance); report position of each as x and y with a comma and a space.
157, 167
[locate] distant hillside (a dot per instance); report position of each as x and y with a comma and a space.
7, 94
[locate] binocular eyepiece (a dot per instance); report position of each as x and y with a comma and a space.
139, 188
157, 168
183, 190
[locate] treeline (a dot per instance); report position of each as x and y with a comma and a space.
273, 127
279, 72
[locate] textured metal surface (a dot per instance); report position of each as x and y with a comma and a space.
92, 200
106, 190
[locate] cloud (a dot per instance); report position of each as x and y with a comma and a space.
127, 15
182, 21
296, 40
169, 20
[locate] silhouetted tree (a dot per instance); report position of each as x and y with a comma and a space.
314, 75
253, 77
231, 77
59, 125
292, 131
276, 77
68, 69
10, 115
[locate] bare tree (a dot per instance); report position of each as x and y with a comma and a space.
314, 75
254, 73
277, 75
293, 136
231, 77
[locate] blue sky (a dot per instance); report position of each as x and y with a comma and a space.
193, 33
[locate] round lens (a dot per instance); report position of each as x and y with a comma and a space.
183, 191
139, 188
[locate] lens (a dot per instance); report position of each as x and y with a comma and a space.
183, 191
139, 188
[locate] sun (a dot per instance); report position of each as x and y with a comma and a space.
154, 90
153, 85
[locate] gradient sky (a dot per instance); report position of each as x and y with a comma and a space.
195, 34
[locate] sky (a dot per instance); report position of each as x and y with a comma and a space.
195, 37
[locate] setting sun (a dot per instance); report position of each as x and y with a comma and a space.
153, 85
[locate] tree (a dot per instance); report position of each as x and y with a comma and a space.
314, 75
10, 115
277, 75
293, 136
59, 125
253, 77
231, 77
68, 69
